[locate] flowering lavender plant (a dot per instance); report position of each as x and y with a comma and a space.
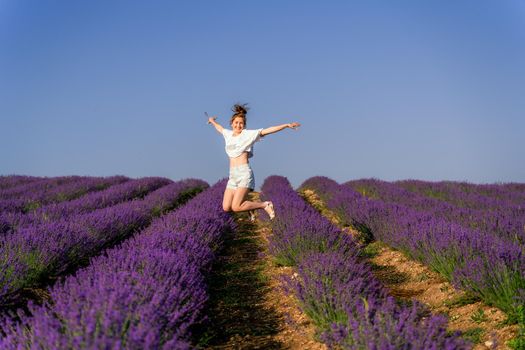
488, 265
337, 290
34, 252
143, 294
11, 181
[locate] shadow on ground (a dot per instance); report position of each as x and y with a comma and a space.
240, 317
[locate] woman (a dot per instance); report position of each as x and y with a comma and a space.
239, 142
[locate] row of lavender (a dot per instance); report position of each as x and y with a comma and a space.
9, 181
471, 195
336, 288
17, 186
492, 216
32, 253
11, 221
143, 294
27, 197
484, 264
503, 206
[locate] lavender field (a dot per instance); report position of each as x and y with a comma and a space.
121, 263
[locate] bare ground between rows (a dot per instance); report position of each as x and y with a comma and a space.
407, 279
248, 308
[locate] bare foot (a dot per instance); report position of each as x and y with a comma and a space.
269, 210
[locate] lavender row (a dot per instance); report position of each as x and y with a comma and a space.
507, 222
514, 192
462, 194
34, 253
113, 195
38, 185
35, 198
483, 264
337, 289
447, 190
503, 214
10, 181
41, 187
144, 294
487, 198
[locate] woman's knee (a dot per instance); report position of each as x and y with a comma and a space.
227, 208
236, 208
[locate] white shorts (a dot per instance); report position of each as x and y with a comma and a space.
241, 176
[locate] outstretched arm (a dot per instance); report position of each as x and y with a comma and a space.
274, 129
218, 127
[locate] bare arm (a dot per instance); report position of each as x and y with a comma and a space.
277, 128
218, 127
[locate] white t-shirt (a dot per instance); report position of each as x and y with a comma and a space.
236, 145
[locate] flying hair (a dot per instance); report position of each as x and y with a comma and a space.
239, 111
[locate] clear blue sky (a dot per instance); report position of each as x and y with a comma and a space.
431, 90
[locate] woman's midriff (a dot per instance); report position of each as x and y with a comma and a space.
242, 159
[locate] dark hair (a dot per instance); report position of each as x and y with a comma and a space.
239, 111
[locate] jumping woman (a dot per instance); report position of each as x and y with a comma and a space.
239, 142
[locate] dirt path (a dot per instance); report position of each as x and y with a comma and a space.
249, 309
407, 279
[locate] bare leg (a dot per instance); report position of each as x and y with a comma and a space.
239, 204
228, 199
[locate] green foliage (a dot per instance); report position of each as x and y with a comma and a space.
462, 300
35, 270
502, 284
371, 250
435, 194
323, 314
61, 197
478, 316
157, 211
422, 277
291, 254
323, 311
366, 191
474, 334
444, 264
365, 234
297, 247
518, 343
30, 206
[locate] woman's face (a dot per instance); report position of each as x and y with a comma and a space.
238, 125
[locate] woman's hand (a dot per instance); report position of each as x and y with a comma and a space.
211, 120
277, 128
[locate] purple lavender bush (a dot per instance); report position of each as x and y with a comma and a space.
10, 181
337, 290
146, 293
133, 189
21, 210
328, 284
384, 325
463, 203
33, 253
36, 197
298, 229
486, 265
39, 186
